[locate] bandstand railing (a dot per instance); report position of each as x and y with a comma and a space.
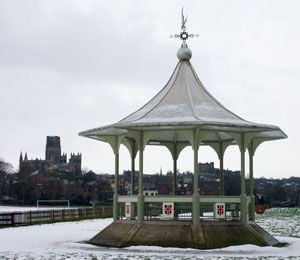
153, 207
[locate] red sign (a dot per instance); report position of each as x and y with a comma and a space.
220, 209
168, 209
128, 209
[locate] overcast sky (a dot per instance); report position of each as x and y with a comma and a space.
68, 66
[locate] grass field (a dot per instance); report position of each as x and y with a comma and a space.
281, 221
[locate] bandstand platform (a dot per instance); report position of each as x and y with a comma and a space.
208, 234
184, 114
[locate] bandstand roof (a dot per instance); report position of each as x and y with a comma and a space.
184, 103
183, 106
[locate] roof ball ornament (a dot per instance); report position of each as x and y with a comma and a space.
184, 53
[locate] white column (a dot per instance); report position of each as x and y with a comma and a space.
115, 205
132, 172
251, 186
243, 185
140, 218
221, 170
175, 170
196, 206
132, 184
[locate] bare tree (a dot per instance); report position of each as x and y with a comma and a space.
5, 167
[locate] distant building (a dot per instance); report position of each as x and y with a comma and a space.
206, 167
54, 160
53, 150
150, 191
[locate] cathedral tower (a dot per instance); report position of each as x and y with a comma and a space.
53, 150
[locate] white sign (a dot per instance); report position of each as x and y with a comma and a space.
220, 210
168, 209
127, 210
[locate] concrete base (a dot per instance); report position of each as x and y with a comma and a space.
166, 233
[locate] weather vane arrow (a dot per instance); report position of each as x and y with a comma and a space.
184, 35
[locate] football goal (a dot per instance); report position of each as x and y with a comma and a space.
51, 203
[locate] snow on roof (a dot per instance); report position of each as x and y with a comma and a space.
183, 99
184, 103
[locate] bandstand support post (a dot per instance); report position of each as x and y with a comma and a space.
175, 170
175, 157
243, 184
222, 176
115, 203
251, 186
174, 177
221, 170
196, 201
140, 218
132, 185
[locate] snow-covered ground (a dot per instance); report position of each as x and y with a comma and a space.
66, 241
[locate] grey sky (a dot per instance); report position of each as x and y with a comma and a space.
68, 66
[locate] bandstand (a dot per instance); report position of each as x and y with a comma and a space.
184, 114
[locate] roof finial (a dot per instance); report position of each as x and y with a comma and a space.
184, 35
183, 20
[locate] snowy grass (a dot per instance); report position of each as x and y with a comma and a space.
281, 221
65, 241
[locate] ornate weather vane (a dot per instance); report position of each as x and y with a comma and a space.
184, 35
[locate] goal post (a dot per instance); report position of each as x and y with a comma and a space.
52, 202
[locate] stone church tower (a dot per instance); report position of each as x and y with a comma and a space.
53, 150
54, 159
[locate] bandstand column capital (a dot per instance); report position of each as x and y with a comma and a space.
114, 142
244, 139
254, 144
220, 147
131, 145
175, 149
139, 137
